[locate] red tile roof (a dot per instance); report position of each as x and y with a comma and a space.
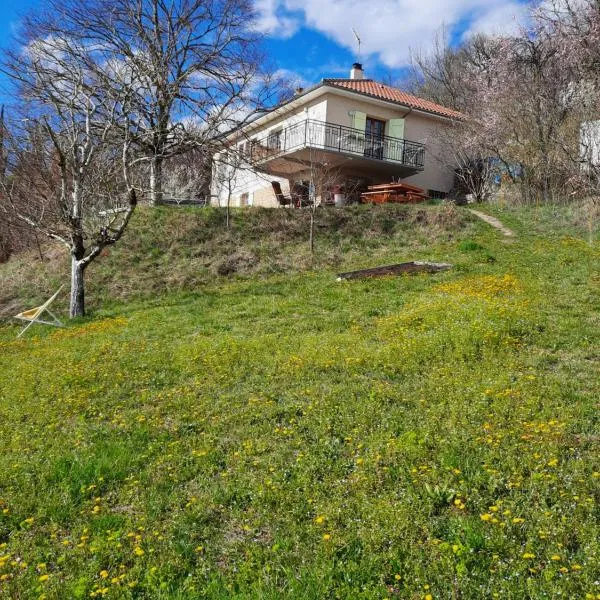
371, 88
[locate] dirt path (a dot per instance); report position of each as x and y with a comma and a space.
493, 222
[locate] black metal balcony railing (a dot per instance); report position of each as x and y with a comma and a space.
338, 138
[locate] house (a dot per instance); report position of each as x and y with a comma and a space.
336, 137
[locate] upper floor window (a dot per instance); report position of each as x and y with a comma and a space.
375, 128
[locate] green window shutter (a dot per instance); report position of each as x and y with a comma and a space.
359, 120
396, 128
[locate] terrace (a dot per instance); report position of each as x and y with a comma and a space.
290, 149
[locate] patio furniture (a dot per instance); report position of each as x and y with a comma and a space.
33, 315
393, 192
281, 199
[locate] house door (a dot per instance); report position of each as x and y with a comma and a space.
374, 133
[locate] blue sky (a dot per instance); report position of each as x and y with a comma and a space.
10, 13
312, 39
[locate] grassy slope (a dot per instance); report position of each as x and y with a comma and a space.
290, 435
167, 250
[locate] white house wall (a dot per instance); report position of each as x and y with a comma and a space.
437, 175
258, 185
418, 128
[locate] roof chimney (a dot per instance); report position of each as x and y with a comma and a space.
357, 71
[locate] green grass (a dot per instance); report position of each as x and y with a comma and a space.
286, 435
168, 250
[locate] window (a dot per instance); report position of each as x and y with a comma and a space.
437, 194
374, 133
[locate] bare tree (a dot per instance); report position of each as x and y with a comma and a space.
187, 176
228, 166
523, 104
192, 68
68, 171
447, 74
5, 234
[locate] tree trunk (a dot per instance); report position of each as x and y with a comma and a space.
312, 230
5, 250
77, 305
156, 181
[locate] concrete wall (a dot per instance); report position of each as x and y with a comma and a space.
437, 175
245, 180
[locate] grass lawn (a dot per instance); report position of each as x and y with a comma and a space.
287, 435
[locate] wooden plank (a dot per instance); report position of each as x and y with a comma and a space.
407, 268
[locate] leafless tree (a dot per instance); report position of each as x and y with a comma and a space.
187, 177
446, 74
522, 101
191, 68
68, 169
230, 164
5, 233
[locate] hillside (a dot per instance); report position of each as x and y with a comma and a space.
268, 432
183, 249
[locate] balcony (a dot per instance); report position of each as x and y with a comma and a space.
283, 151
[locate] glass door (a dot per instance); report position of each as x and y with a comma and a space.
374, 138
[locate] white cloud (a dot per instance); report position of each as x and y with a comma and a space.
292, 78
388, 28
274, 19
504, 18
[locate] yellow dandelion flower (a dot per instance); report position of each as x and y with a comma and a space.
104, 574
528, 555
326, 536
485, 517
43, 578
397, 577
138, 551
319, 520
518, 520
555, 557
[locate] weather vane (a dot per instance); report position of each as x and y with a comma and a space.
358, 41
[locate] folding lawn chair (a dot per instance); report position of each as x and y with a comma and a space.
33, 315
